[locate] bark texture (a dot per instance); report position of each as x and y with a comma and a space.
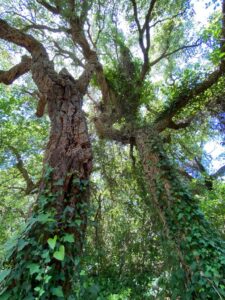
61, 208
7, 77
68, 152
197, 247
44, 264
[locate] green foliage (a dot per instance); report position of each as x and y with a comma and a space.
127, 90
42, 249
213, 206
127, 253
22, 131
202, 249
60, 254
212, 36
52, 242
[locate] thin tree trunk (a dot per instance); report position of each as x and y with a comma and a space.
199, 250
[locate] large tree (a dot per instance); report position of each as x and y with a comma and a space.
59, 217
53, 239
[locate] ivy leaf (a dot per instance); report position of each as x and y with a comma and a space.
59, 182
180, 216
45, 256
22, 244
57, 291
48, 171
85, 182
33, 268
52, 242
222, 54
94, 290
44, 218
4, 274
60, 254
68, 238
47, 278
40, 290
5, 296
78, 222
76, 181
39, 277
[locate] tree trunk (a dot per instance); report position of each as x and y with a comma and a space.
46, 258
199, 250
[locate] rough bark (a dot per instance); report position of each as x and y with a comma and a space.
63, 199
39, 269
68, 153
7, 77
197, 246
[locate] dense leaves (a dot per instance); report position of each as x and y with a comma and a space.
158, 89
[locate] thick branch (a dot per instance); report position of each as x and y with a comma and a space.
7, 77
93, 64
71, 4
69, 54
134, 4
165, 117
42, 68
140, 29
145, 29
180, 125
84, 79
80, 39
149, 14
49, 7
42, 101
106, 131
19, 38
